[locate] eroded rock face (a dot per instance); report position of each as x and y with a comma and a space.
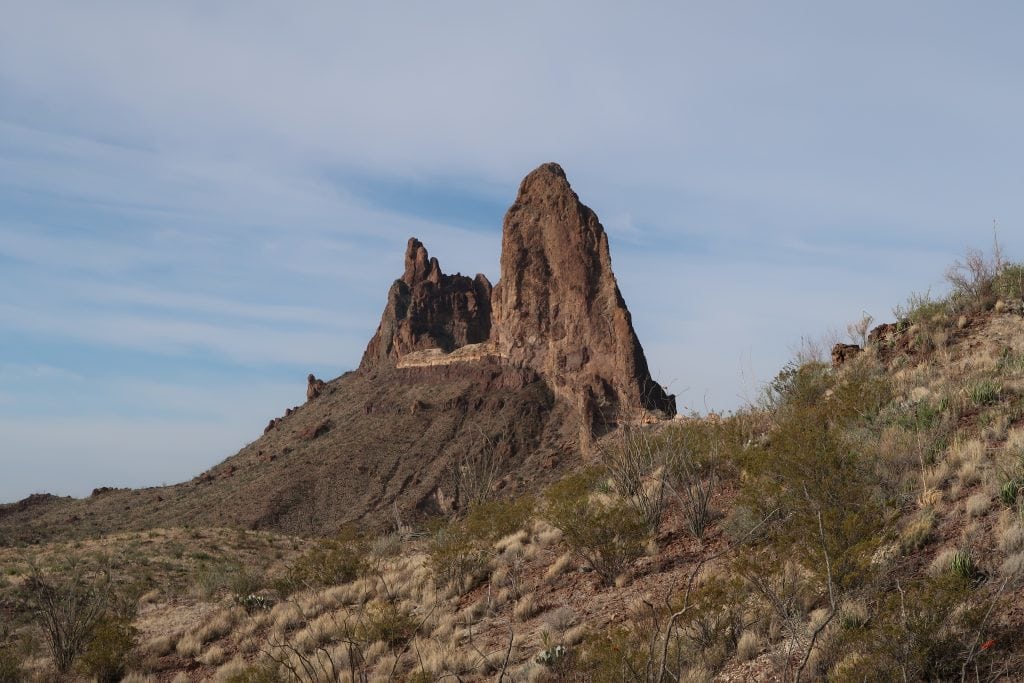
427, 309
841, 353
558, 309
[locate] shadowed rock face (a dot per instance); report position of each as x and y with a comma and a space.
427, 309
558, 309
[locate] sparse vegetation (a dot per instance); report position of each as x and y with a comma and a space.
859, 523
605, 533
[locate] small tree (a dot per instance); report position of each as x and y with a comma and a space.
67, 610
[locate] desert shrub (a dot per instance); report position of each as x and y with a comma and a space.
456, 556
796, 385
920, 309
110, 646
68, 608
606, 534
635, 460
618, 654
696, 456
1009, 283
332, 562
491, 520
830, 508
476, 471
388, 622
920, 630
973, 279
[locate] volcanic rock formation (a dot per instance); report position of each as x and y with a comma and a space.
427, 309
558, 309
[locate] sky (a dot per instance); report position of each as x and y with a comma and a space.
200, 203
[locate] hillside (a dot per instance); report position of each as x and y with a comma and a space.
863, 521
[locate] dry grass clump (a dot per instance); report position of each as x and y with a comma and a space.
189, 645
544, 534
560, 620
1013, 566
213, 656
935, 477
918, 532
748, 646
1011, 538
978, 504
219, 625
942, 561
158, 646
527, 607
559, 567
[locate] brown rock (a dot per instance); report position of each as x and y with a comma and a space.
558, 309
844, 352
883, 333
314, 387
427, 309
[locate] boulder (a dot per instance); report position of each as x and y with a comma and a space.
844, 352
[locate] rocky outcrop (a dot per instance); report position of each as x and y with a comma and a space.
558, 308
314, 387
841, 353
427, 309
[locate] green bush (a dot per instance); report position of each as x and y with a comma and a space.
386, 621
456, 556
919, 631
333, 562
1009, 283
608, 535
492, 520
920, 309
107, 654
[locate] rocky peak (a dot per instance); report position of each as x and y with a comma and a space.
427, 309
558, 308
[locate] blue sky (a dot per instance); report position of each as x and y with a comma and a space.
201, 203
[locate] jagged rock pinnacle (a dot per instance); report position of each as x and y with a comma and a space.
558, 309
427, 309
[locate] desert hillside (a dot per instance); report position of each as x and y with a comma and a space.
500, 492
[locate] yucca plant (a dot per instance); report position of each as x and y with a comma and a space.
962, 565
1009, 491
